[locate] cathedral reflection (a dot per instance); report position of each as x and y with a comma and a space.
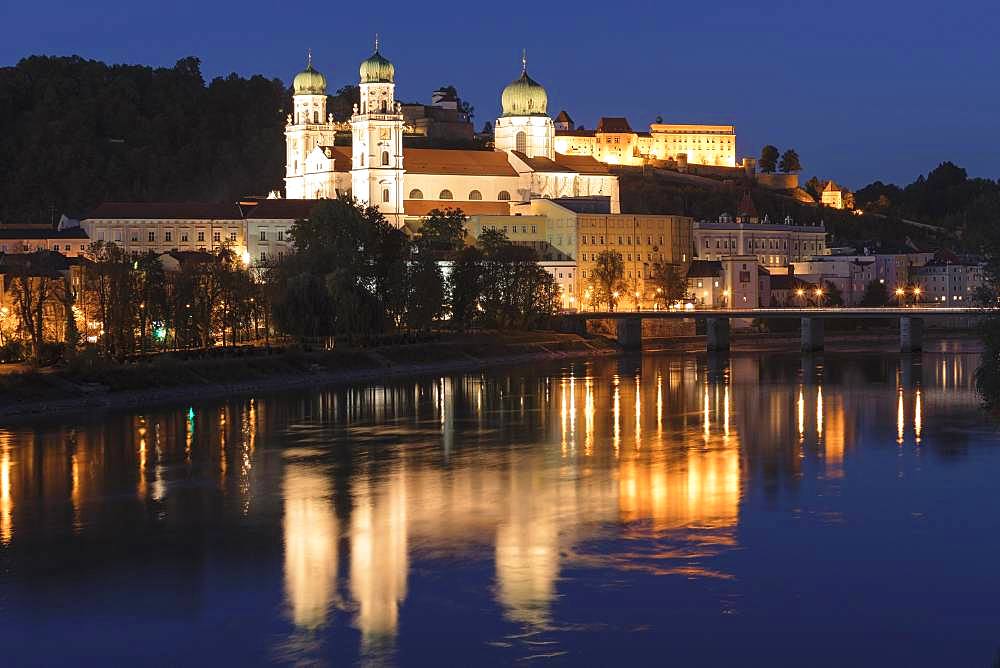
532, 470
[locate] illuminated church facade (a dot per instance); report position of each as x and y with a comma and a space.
408, 182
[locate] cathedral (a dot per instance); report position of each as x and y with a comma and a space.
409, 182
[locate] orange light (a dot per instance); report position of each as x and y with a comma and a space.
916, 291
819, 292
900, 292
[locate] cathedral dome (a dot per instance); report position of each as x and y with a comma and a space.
309, 81
376, 69
524, 97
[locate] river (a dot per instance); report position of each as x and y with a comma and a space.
670, 509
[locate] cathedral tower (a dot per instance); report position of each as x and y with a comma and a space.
377, 128
525, 125
307, 126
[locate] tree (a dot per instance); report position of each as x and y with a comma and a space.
443, 230
768, 159
876, 294
465, 287
831, 295
606, 278
426, 298
790, 162
668, 283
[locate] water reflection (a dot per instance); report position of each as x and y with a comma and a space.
373, 487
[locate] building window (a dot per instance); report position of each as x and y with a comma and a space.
385, 195
503, 196
263, 256
151, 236
445, 194
201, 236
475, 196
281, 235
166, 236
263, 235
416, 194
385, 158
521, 142
184, 236
216, 236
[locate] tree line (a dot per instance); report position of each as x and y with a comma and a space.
352, 278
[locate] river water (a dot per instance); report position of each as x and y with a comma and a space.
670, 509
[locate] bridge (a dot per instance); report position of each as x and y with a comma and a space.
717, 322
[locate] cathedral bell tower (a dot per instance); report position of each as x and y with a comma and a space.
307, 126
525, 125
377, 129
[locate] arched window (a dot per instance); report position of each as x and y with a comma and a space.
475, 195
503, 196
385, 158
445, 194
385, 194
416, 194
521, 142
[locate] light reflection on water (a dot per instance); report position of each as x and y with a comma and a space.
518, 503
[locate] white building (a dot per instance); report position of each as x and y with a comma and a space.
378, 170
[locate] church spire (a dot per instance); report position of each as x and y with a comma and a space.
309, 58
524, 61
376, 42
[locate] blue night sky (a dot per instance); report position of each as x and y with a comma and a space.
863, 90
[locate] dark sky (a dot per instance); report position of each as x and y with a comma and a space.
863, 90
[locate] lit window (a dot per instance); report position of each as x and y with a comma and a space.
503, 196
416, 194
445, 194
475, 196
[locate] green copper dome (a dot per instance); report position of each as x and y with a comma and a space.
376, 69
524, 97
309, 81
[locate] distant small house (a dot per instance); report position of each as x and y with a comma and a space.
836, 197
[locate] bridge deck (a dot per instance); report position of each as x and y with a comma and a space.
819, 312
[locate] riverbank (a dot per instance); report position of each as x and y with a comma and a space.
36, 394
163, 381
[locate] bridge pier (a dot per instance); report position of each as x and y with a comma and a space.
911, 334
629, 333
812, 335
717, 332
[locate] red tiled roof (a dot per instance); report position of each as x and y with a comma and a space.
541, 163
341, 156
422, 207
166, 211
613, 124
281, 209
582, 164
42, 232
456, 162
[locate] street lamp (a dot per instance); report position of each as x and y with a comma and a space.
819, 296
900, 293
801, 294
614, 299
916, 295
637, 295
